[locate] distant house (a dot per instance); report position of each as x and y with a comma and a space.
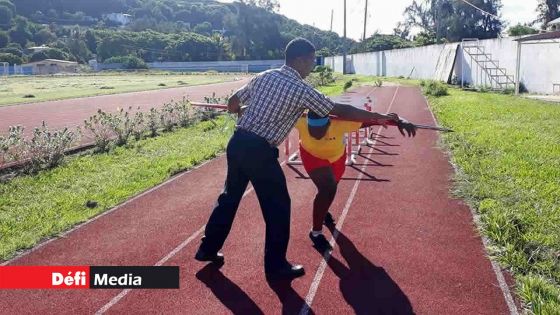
554, 25
120, 18
52, 66
38, 48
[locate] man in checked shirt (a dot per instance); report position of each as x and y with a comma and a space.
275, 100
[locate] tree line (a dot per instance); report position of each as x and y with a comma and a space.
202, 30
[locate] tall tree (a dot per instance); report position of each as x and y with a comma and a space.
401, 30
454, 19
548, 10
4, 39
21, 32
6, 17
269, 5
470, 22
8, 4
520, 29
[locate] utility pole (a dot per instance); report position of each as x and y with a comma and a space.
344, 43
437, 20
365, 21
332, 13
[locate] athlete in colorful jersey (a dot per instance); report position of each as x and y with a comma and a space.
322, 151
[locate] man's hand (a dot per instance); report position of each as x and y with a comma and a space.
405, 125
233, 104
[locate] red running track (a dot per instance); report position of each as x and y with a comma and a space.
73, 112
404, 245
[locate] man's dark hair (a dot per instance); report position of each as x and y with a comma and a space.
298, 47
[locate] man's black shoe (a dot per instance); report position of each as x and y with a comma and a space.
320, 242
329, 219
287, 272
215, 258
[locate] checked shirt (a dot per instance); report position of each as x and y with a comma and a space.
276, 99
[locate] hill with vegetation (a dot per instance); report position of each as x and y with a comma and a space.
157, 30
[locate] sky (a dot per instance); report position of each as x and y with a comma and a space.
383, 15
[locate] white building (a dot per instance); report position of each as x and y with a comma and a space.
554, 25
38, 48
52, 66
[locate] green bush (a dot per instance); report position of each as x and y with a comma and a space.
325, 74
11, 59
347, 85
435, 88
11, 50
99, 126
128, 62
11, 146
46, 149
51, 53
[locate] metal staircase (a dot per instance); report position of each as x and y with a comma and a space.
488, 72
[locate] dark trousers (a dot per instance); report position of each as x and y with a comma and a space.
250, 158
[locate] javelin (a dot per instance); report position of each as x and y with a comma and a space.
223, 106
209, 105
436, 128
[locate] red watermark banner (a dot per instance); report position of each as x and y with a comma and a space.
89, 277
44, 277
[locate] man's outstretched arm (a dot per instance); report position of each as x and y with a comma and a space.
405, 127
349, 112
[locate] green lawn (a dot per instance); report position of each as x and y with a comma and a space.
508, 152
33, 208
338, 87
46, 88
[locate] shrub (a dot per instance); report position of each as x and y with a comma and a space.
325, 74
12, 146
313, 79
378, 83
11, 50
99, 125
435, 88
46, 149
168, 117
138, 125
121, 125
128, 62
11, 58
184, 110
51, 53
347, 85
216, 100
153, 122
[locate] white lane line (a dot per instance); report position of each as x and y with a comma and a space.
162, 261
321, 270
485, 242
